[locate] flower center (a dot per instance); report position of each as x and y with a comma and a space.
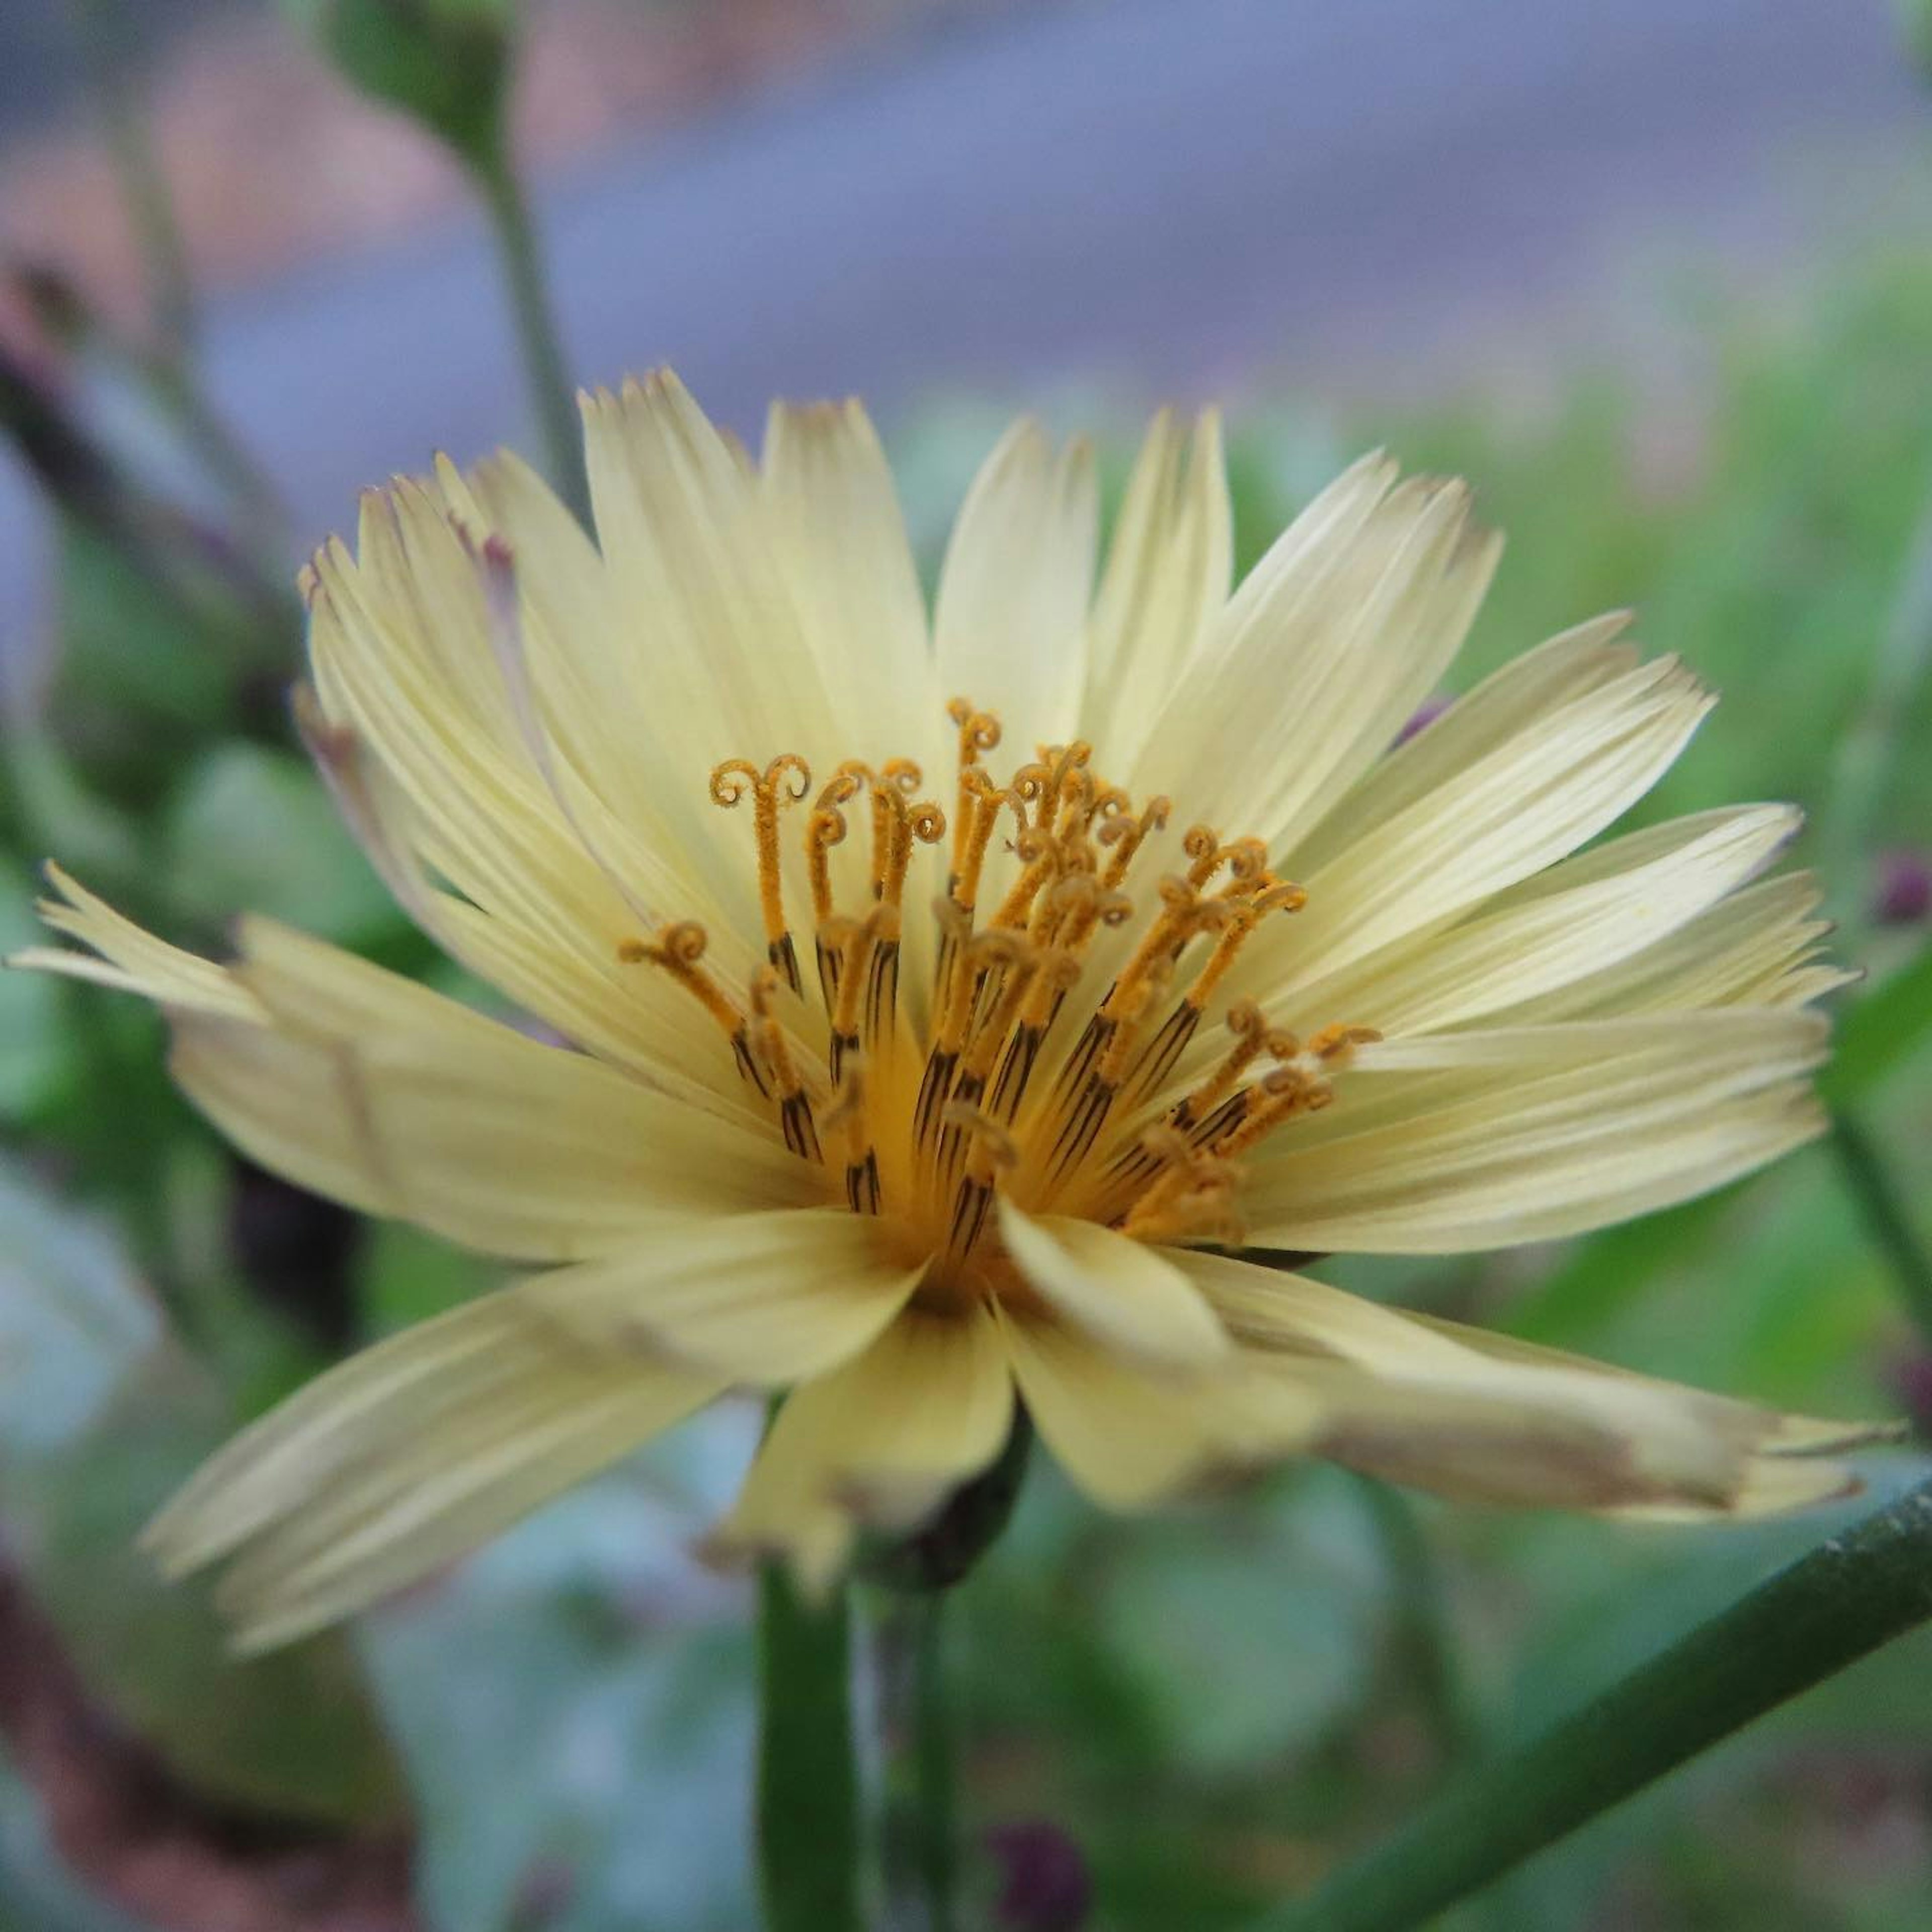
1031, 1040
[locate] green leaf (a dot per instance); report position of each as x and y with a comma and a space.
253, 830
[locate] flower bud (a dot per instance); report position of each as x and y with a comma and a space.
446, 63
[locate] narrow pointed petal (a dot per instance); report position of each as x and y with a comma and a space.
1127, 1296
1484, 1418
840, 541
1166, 579
406, 1456
880, 1443
1010, 625
767, 1299
1448, 1142
397, 1101
1131, 1436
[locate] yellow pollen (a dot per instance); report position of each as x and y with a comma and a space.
1044, 1058
731, 782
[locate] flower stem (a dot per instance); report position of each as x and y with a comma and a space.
1849, 1595
808, 1825
1422, 1634
921, 1831
551, 395
1886, 1217
103, 34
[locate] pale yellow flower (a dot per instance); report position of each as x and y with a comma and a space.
932, 1079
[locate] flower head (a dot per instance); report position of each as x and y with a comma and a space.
947, 999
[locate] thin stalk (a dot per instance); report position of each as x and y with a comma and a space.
1886, 1217
1869, 751
552, 397
922, 1821
1838, 1603
1422, 1639
808, 1822
102, 28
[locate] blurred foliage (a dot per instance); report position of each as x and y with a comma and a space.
1212, 1706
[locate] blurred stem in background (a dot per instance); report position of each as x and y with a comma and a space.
1867, 757
1423, 1641
449, 65
1887, 1217
551, 395
104, 30
921, 1850
1849, 1596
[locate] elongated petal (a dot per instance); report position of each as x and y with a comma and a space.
1165, 579
405, 1456
880, 1442
1579, 919
1485, 1419
396, 1100
1125, 1294
1520, 695
840, 542
1762, 947
770, 1298
129, 959
1130, 1436
1010, 625
1482, 1139
1532, 801
687, 541
1341, 639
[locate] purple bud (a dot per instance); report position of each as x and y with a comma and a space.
1047, 1887
1904, 896
1426, 716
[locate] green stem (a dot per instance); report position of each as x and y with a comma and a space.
1422, 1635
1868, 751
1849, 1595
103, 31
1886, 1217
808, 1825
551, 395
922, 1831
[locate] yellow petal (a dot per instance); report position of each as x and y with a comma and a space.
1485, 1418
1346, 636
130, 959
407, 1455
1125, 1294
1166, 578
841, 546
1530, 802
770, 1298
1577, 920
881, 1442
399, 1101
1131, 1436
1010, 623
1480, 1139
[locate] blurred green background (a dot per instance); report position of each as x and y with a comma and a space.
1168, 1724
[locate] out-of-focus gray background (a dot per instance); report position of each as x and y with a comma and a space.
896, 197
